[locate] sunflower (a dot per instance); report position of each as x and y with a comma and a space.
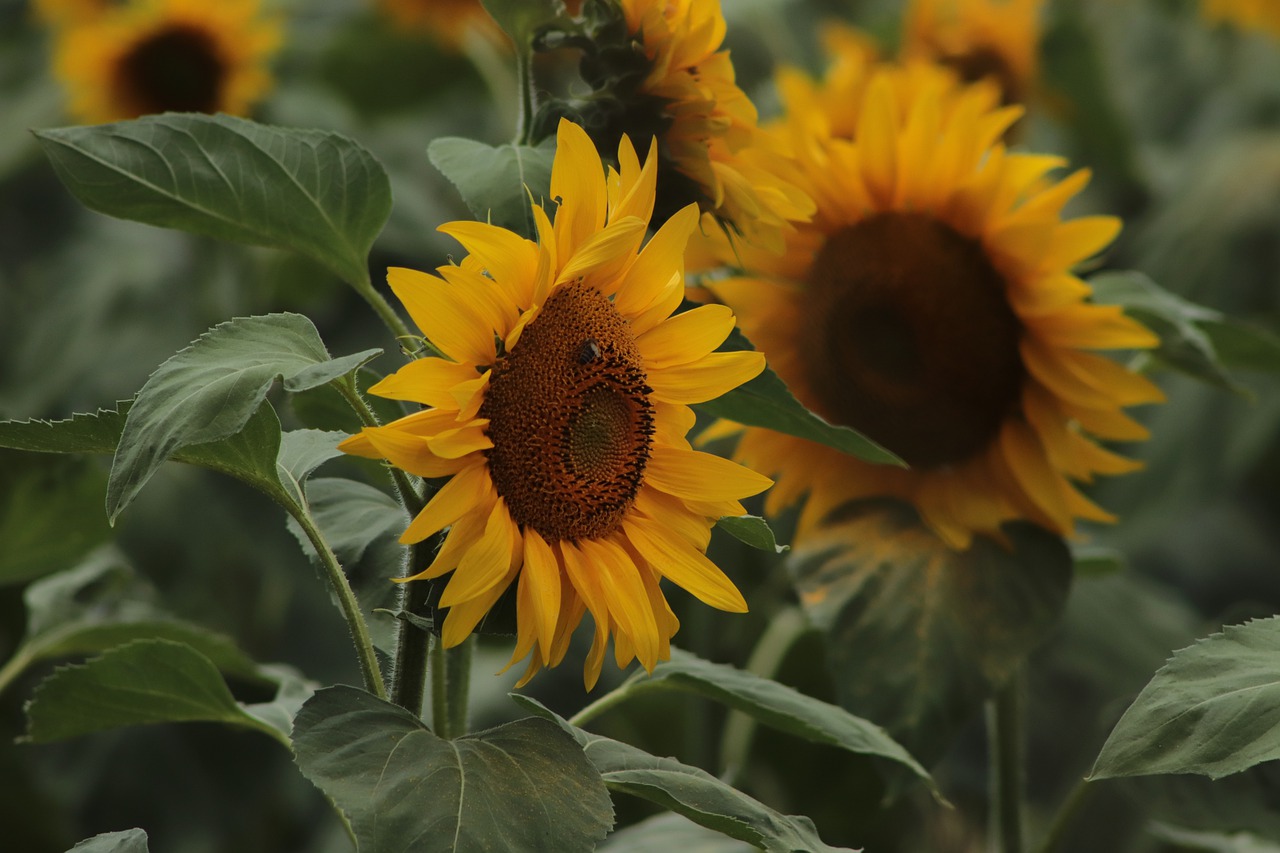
559, 410
1260, 15
154, 56
662, 63
63, 12
930, 304
978, 39
449, 21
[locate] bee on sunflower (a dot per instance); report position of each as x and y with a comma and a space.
559, 409
154, 56
931, 305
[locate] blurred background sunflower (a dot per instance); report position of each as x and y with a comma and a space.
152, 56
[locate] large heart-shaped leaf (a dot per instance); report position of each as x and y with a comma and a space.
312, 192
1213, 709
948, 628
209, 391
690, 791
142, 682
521, 786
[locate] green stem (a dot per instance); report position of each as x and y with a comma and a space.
490, 61
617, 696
457, 668
347, 602
413, 502
1075, 801
766, 659
439, 690
450, 687
1008, 783
409, 676
524, 88
13, 667
382, 308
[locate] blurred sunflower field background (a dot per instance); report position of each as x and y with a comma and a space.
635, 425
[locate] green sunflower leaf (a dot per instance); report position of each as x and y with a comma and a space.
1213, 842
1196, 340
767, 402
671, 831
948, 627
752, 530
302, 451
779, 707
312, 192
521, 786
259, 454
50, 514
127, 841
210, 390
496, 183
689, 791
1213, 709
101, 604
142, 682
96, 432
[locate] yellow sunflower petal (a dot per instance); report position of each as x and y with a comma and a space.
468, 488
686, 567
425, 380
701, 476
510, 258
707, 378
486, 562
686, 337
542, 574
448, 321
577, 181
628, 602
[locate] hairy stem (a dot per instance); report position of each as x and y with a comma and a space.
382, 308
365, 654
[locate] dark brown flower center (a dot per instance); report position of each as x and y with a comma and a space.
910, 338
178, 69
984, 63
570, 418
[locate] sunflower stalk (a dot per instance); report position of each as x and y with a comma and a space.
450, 687
1056, 835
526, 93
785, 627
1005, 736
